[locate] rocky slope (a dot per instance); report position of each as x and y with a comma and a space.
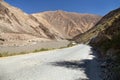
67, 24
16, 25
15, 22
104, 24
105, 36
106, 31
108, 41
109, 36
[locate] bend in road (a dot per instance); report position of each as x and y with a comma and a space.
74, 63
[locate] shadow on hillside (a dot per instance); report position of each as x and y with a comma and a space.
90, 66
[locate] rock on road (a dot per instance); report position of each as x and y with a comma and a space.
74, 63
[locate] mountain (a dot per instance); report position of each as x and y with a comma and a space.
102, 25
15, 22
16, 25
67, 24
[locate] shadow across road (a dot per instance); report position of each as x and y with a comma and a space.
91, 67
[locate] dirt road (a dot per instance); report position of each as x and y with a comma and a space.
74, 63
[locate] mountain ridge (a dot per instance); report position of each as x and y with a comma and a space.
54, 17
49, 26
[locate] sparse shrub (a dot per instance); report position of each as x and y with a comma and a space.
23, 52
0, 55
2, 39
42, 49
4, 54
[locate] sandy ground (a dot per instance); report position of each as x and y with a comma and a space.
74, 63
34, 46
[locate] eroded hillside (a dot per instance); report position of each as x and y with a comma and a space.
105, 37
105, 23
68, 24
17, 26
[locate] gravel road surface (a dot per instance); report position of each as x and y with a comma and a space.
74, 63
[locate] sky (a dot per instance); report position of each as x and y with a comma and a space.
99, 7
